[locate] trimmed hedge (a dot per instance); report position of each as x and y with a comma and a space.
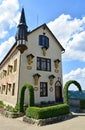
31, 96
82, 103
66, 86
47, 112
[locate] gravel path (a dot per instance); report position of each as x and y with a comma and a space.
76, 123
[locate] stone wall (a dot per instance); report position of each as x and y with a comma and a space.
42, 122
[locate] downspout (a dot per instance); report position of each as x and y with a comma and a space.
19, 79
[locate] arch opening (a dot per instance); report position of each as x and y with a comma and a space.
30, 96
66, 86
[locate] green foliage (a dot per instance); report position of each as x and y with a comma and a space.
66, 89
9, 108
1, 104
82, 104
47, 112
15, 109
31, 96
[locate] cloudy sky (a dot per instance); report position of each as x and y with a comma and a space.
65, 18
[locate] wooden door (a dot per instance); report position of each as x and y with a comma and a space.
58, 91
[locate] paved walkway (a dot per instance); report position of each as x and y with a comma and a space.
76, 123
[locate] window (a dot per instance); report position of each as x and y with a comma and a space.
10, 69
3, 87
6, 89
0, 88
43, 64
43, 41
9, 87
13, 89
43, 89
4, 73
15, 65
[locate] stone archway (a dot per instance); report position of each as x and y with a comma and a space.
66, 86
31, 96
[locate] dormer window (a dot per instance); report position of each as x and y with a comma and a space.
43, 41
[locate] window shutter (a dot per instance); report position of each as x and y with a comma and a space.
47, 42
40, 39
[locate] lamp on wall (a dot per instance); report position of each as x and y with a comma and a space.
36, 78
51, 78
29, 58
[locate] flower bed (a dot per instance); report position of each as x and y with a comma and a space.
10, 114
9, 111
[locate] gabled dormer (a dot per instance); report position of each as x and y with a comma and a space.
21, 37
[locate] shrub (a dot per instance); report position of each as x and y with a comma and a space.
47, 112
15, 109
9, 108
1, 104
82, 104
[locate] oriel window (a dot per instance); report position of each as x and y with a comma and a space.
43, 41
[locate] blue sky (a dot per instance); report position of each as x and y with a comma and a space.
65, 18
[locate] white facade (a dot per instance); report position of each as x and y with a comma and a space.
25, 71
9, 74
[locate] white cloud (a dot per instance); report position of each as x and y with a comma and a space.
8, 16
5, 46
71, 34
78, 75
3, 34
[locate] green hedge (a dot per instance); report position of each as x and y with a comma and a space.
66, 86
30, 96
47, 112
82, 104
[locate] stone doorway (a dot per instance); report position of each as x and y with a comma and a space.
58, 91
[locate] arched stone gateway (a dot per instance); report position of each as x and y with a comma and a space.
31, 96
66, 86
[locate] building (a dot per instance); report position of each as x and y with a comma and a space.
35, 58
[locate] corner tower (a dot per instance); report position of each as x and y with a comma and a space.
21, 36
